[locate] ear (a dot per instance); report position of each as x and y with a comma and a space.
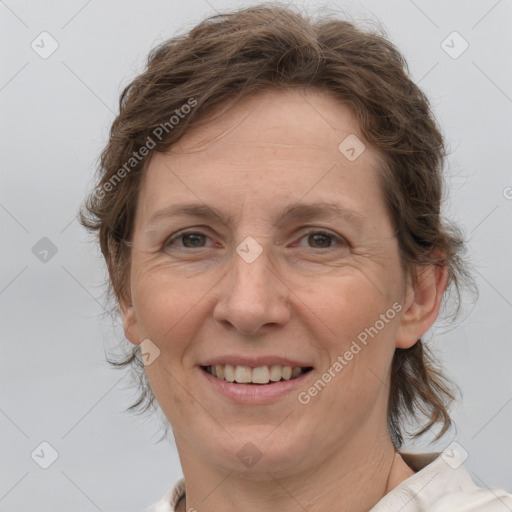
129, 318
423, 302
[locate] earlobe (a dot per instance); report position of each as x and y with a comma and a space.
129, 322
422, 308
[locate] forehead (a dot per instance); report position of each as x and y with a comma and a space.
306, 119
278, 144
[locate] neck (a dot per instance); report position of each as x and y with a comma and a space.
350, 479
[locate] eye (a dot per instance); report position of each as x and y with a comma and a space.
323, 239
189, 240
196, 240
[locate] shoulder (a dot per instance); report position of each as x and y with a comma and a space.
442, 484
170, 499
477, 499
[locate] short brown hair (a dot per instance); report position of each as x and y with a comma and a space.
230, 56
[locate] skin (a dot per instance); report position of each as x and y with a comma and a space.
302, 297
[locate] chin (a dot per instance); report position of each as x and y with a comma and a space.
259, 456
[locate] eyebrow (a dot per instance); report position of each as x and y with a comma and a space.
294, 212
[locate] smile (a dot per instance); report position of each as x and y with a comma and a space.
258, 375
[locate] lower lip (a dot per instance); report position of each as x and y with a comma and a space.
255, 393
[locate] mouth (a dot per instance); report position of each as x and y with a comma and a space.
259, 375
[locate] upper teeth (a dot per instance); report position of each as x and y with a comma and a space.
258, 375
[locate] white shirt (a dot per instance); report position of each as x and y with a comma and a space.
441, 484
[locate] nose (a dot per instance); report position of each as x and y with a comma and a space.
252, 296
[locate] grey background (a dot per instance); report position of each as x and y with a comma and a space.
54, 383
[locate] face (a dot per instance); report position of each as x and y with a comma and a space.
259, 242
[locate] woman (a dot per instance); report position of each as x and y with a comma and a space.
269, 211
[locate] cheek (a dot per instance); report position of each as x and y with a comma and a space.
351, 304
360, 340
165, 305
357, 360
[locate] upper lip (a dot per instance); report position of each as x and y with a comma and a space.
254, 362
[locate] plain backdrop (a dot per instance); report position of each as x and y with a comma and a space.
55, 386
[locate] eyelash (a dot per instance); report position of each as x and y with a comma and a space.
181, 234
